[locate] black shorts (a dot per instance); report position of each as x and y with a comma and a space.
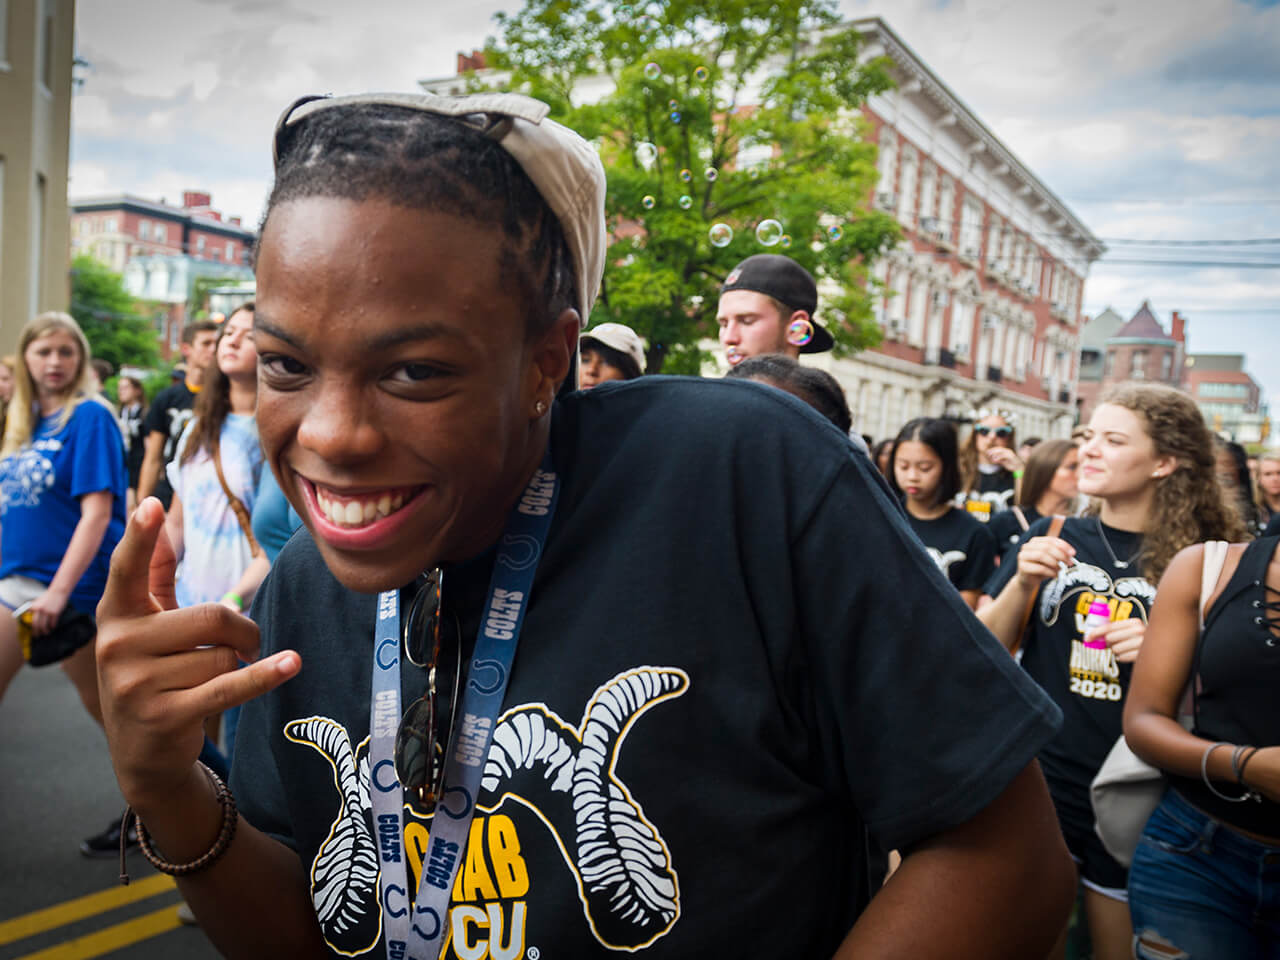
1099, 871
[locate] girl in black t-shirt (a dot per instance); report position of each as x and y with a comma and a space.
1148, 462
926, 475
1196, 870
989, 467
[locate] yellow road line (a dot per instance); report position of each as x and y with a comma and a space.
112, 938
50, 918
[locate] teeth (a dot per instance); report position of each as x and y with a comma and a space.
358, 512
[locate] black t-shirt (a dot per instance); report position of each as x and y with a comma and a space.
1088, 684
1239, 674
992, 495
963, 548
729, 665
134, 445
1272, 528
1007, 528
169, 414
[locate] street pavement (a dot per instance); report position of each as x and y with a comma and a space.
56, 787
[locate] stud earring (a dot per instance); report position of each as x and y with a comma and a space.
540, 407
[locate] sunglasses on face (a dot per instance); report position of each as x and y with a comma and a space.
432, 640
982, 430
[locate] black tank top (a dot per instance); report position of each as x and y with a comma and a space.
1239, 664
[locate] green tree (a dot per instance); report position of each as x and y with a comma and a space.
723, 115
106, 314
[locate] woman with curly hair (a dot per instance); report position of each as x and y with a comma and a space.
1148, 461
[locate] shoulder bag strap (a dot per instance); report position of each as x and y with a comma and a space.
1055, 528
237, 507
1022, 518
1215, 556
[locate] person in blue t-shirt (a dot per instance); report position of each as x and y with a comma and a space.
62, 495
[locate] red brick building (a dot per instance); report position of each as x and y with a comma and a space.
117, 229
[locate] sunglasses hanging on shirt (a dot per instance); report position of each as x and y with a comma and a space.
433, 641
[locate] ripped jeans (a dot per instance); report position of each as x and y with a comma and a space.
1198, 890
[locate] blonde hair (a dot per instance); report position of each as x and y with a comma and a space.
21, 417
1260, 496
1189, 505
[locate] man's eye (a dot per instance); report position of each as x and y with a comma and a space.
415, 373
281, 366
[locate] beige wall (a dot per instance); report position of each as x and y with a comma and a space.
35, 130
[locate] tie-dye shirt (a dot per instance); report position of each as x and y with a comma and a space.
215, 551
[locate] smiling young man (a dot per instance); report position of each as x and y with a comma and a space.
594, 731
766, 306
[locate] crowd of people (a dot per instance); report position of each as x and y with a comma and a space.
690, 666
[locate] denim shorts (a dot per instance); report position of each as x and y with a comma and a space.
1199, 890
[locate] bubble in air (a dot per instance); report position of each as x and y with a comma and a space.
834, 234
799, 332
652, 71
646, 23
711, 174
784, 240
686, 202
675, 116
769, 232
673, 104
701, 74
720, 234
648, 202
686, 175
646, 154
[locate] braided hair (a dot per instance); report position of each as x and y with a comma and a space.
411, 158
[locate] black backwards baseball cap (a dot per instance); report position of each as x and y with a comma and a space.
787, 282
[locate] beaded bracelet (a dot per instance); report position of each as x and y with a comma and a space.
230, 816
1235, 768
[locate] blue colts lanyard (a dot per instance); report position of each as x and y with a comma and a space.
417, 931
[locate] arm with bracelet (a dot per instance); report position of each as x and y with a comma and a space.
162, 670
1234, 772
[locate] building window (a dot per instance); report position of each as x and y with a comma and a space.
971, 229
1138, 365
907, 187
144, 229
1166, 365
919, 302
961, 325
109, 225
48, 9
993, 242
888, 160
231, 252
1109, 367
160, 233
928, 186
946, 206
199, 244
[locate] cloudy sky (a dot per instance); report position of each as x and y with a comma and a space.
1154, 120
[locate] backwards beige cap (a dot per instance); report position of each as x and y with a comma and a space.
562, 165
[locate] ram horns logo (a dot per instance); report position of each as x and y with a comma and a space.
626, 881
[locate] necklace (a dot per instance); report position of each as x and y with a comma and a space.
1121, 564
